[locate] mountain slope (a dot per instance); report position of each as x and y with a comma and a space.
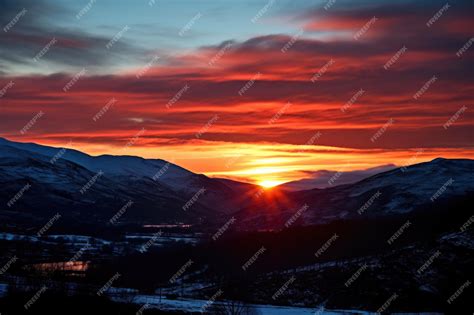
115, 165
47, 184
394, 192
223, 195
35, 189
323, 178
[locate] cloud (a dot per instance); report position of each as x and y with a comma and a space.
31, 41
285, 77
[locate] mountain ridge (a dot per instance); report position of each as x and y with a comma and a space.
58, 184
398, 191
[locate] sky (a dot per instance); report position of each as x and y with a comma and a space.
260, 91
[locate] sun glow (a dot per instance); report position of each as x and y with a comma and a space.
264, 164
270, 183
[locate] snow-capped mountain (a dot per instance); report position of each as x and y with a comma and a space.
399, 191
39, 181
324, 178
125, 165
222, 193
35, 190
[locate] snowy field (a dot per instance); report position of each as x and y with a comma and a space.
192, 305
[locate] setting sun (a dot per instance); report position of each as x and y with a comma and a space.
270, 183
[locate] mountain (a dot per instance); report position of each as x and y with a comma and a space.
159, 170
223, 195
399, 191
325, 178
40, 181
34, 190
